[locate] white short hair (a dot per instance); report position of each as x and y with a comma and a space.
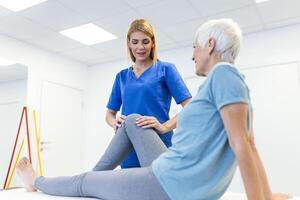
227, 34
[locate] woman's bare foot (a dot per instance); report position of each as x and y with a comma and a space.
27, 174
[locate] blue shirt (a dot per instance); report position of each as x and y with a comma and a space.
200, 164
150, 94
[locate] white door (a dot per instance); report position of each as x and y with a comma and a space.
61, 129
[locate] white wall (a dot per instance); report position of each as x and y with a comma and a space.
97, 132
11, 91
259, 49
42, 66
12, 99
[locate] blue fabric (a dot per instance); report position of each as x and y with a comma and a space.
150, 95
201, 162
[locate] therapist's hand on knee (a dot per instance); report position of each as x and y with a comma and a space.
151, 122
119, 121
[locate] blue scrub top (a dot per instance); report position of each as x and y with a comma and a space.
150, 95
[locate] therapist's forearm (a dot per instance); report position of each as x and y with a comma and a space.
170, 124
110, 118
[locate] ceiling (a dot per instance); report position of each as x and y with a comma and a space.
175, 22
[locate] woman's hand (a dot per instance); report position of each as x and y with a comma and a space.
280, 196
118, 122
151, 122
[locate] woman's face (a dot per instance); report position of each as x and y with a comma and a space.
140, 45
200, 57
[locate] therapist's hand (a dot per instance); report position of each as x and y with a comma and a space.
119, 121
151, 122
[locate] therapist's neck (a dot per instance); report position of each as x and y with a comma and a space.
140, 64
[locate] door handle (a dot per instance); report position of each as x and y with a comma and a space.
45, 142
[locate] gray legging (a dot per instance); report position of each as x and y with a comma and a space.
104, 182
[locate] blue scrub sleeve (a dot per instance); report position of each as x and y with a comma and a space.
176, 85
115, 99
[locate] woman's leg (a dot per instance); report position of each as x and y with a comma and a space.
146, 143
126, 184
138, 183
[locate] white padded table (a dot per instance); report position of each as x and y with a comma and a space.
241, 196
21, 194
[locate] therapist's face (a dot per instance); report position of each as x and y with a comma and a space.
140, 45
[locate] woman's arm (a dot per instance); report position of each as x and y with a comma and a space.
152, 122
262, 172
234, 118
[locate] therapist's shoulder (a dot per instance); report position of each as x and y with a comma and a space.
123, 72
161, 63
165, 66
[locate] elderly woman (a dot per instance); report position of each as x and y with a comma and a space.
213, 136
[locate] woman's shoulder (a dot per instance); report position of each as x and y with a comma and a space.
226, 73
224, 69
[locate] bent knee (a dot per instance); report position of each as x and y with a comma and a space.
130, 119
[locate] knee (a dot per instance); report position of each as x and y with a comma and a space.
130, 119
83, 183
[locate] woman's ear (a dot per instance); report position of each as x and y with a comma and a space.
211, 45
